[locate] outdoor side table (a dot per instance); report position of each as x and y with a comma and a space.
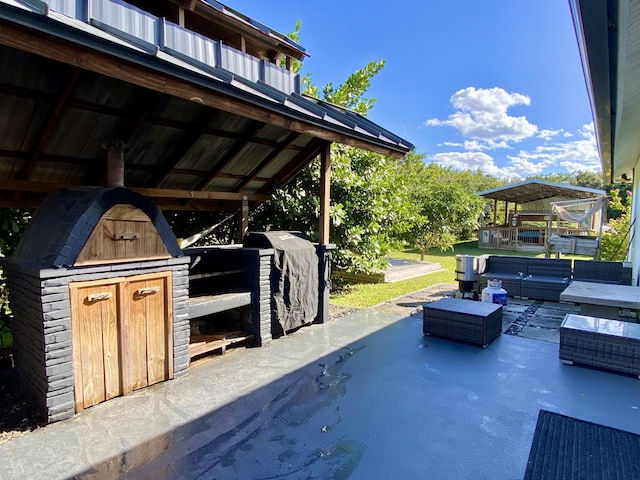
602, 299
600, 342
466, 320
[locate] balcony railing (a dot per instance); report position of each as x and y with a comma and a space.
152, 33
510, 238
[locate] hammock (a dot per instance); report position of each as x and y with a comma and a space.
596, 205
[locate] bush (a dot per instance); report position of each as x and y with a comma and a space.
615, 242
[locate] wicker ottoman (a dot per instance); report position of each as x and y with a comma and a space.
474, 322
600, 342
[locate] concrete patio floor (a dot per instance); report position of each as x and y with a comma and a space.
365, 396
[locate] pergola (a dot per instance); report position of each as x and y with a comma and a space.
528, 225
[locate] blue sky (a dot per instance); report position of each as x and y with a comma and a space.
495, 85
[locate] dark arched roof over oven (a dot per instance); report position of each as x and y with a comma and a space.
63, 223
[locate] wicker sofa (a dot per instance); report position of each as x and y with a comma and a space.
546, 278
536, 278
616, 273
509, 270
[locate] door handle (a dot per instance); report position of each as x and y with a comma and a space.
95, 297
148, 291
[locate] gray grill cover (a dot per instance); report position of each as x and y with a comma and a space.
294, 278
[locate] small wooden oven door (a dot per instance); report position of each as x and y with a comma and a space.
122, 336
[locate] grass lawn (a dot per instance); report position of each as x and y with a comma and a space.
367, 295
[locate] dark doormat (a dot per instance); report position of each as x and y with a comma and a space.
568, 448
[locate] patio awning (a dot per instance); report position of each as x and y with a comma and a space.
198, 136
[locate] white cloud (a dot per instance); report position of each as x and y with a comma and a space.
580, 154
479, 145
474, 161
482, 119
573, 155
481, 116
549, 133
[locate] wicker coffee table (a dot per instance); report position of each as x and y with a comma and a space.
600, 342
474, 322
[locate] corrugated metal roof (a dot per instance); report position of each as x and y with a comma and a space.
253, 23
186, 126
532, 190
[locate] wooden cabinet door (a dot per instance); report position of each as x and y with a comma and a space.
149, 329
122, 334
96, 352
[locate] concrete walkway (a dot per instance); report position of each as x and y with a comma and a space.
401, 269
365, 396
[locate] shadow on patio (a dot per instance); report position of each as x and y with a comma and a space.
365, 396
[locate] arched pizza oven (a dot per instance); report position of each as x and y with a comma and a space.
99, 290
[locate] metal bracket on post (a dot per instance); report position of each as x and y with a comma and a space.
244, 218
324, 280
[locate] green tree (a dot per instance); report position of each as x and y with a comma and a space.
559, 177
369, 207
449, 208
369, 203
13, 222
589, 180
614, 242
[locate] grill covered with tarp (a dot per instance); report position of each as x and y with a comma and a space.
294, 278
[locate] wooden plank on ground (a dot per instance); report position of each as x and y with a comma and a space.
201, 344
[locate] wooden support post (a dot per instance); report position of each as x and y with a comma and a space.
547, 237
602, 219
495, 211
325, 192
324, 248
244, 218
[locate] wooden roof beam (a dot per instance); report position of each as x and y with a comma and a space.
249, 132
185, 145
20, 92
159, 193
293, 167
49, 126
152, 193
15, 36
254, 173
